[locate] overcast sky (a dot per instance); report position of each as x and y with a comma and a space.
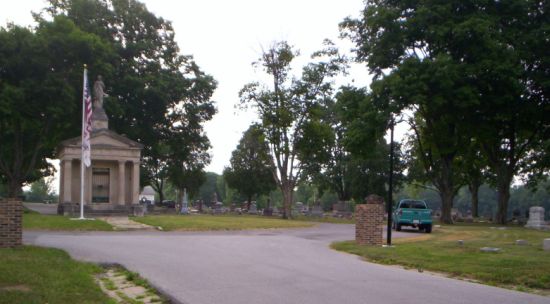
226, 36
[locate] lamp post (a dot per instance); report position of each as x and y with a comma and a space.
390, 185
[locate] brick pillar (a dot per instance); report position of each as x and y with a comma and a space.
11, 230
369, 221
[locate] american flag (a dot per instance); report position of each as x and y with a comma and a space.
86, 120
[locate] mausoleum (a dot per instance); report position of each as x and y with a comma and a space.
112, 180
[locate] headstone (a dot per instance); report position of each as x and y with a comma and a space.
297, 209
199, 204
253, 209
317, 211
217, 208
521, 242
546, 244
536, 218
268, 212
341, 209
490, 249
460, 242
456, 215
469, 218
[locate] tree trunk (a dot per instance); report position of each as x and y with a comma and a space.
248, 202
474, 192
287, 201
161, 196
447, 196
503, 197
14, 188
446, 191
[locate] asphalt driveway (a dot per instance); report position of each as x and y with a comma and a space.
269, 266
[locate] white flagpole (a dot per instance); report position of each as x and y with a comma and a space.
82, 146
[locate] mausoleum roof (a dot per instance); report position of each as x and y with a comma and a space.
119, 140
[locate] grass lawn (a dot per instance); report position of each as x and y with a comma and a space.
525, 268
35, 221
217, 222
41, 275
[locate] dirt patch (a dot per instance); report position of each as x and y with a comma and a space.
22, 288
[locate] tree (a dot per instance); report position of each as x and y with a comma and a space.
250, 171
356, 161
474, 173
208, 188
288, 111
40, 190
160, 98
455, 64
40, 93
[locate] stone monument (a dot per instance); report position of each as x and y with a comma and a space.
216, 206
112, 181
536, 219
298, 209
317, 210
342, 209
253, 208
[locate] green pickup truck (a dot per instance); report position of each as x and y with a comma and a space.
413, 213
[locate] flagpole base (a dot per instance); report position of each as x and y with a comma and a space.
82, 219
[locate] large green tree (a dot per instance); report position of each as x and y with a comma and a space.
457, 64
250, 171
288, 110
41, 93
157, 96
357, 156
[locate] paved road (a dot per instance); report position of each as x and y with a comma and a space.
269, 266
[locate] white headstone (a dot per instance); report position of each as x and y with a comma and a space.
536, 218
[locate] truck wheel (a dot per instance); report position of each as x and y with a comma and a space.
398, 227
428, 229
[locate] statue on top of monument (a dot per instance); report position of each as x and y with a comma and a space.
99, 92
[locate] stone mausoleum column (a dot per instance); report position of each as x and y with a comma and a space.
67, 181
369, 221
121, 182
135, 183
11, 212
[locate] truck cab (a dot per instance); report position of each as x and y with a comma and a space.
414, 213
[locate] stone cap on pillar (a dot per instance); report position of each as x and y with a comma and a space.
374, 199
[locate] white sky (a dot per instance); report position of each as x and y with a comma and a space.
226, 36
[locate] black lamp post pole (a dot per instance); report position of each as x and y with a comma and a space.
390, 187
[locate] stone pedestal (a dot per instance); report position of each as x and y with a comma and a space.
369, 221
536, 218
11, 230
